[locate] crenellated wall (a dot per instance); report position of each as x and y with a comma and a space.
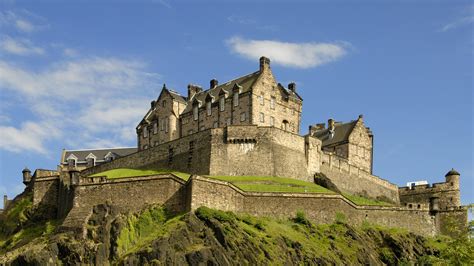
354, 180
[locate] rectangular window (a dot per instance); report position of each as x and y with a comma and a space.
162, 124
216, 124
243, 116
195, 112
209, 108
228, 121
262, 118
236, 98
222, 103
261, 100
272, 121
167, 122
155, 127
145, 132
272, 103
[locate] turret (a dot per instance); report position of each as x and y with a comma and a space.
26, 176
452, 178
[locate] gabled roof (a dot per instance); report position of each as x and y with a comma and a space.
81, 155
342, 132
246, 82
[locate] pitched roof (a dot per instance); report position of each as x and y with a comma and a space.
245, 82
98, 153
176, 96
341, 133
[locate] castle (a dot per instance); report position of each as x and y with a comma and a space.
249, 126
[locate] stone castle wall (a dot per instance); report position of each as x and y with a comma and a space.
320, 208
351, 179
447, 195
126, 194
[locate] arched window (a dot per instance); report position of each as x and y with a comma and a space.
285, 125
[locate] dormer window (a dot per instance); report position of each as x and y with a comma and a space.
272, 103
195, 112
109, 157
222, 103
155, 127
90, 159
209, 108
236, 98
71, 162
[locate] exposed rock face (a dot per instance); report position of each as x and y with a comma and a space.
216, 238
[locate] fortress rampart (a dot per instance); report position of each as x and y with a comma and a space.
132, 194
352, 179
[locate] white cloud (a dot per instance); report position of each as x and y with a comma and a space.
88, 101
29, 136
466, 19
70, 52
22, 20
299, 55
19, 46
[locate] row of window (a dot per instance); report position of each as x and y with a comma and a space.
164, 127
209, 106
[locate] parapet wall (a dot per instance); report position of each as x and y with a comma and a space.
234, 150
351, 179
264, 151
447, 195
126, 194
321, 208
188, 154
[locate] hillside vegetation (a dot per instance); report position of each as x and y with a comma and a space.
206, 236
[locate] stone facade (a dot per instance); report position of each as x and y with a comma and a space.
253, 99
179, 196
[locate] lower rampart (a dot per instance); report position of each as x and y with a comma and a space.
321, 208
353, 180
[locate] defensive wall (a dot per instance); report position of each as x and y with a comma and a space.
234, 150
442, 196
354, 180
133, 194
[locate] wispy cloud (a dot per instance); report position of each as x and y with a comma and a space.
464, 20
19, 46
23, 21
30, 136
298, 55
81, 100
246, 21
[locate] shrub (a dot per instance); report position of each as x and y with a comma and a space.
301, 219
206, 214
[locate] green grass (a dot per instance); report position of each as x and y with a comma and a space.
272, 184
359, 200
128, 172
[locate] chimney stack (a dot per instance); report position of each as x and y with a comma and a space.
152, 104
331, 124
192, 90
292, 87
264, 63
214, 83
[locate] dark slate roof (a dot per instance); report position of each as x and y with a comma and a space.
341, 133
245, 82
452, 172
176, 96
99, 153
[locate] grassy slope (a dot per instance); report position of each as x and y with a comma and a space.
272, 184
127, 172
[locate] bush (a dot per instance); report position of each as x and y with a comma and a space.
206, 214
301, 219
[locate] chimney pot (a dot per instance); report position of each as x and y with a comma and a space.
292, 87
214, 83
264, 63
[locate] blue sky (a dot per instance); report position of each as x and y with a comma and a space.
81, 75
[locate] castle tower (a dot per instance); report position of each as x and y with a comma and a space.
452, 180
26, 176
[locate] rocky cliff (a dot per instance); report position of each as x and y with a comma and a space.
212, 237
